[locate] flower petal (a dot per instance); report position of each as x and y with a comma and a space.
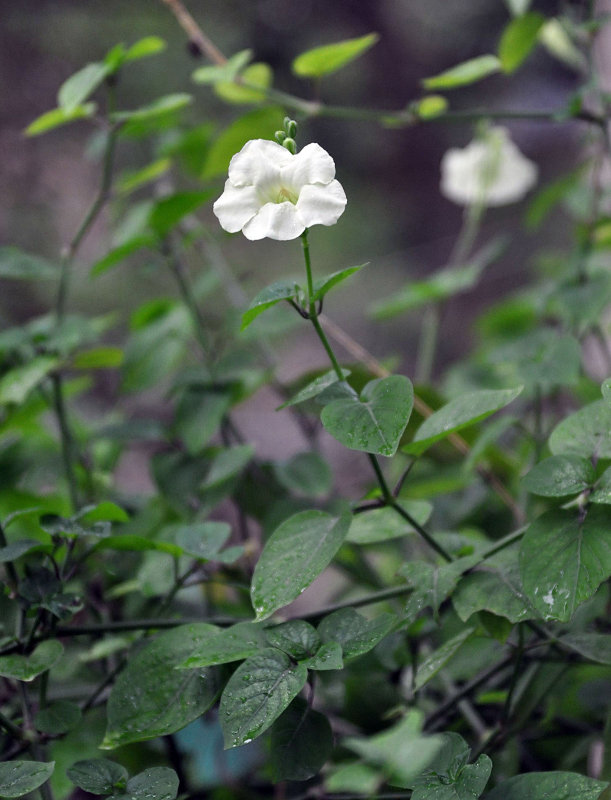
275, 221
260, 160
321, 204
310, 165
236, 206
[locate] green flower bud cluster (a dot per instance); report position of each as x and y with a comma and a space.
286, 137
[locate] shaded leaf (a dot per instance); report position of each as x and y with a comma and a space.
22, 777
257, 693
431, 665
355, 633
547, 786
79, 86
297, 638
294, 555
301, 742
15, 264
383, 524
585, 433
97, 775
26, 668
268, 297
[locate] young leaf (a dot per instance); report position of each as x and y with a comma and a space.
301, 742
585, 433
143, 701
297, 638
257, 693
17, 265
431, 665
463, 74
563, 559
156, 783
450, 776
225, 73
329, 656
431, 583
324, 285
330, 57
120, 253
314, 388
26, 668
459, 413
268, 297
22, 777
294, 555
558, 476
355, 633
145, 47
130, 181
222, 646
73, 92
58, 116
548, 786
373, 423
249, 87
98, 775
58, 717
401, 751
518, 40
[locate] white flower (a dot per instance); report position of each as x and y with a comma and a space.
272, 193
490, 170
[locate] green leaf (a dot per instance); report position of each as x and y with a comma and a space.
98, 358
459, 413
228, 464
593, 646
450, 776
563, 559
17, 265
168, 104
17, 384
130, 181
431, 583
495, 586
353, 777
558, 476
227, 72
330, 57
355, 633
401, 751
518, 40
306, 473
199, 416
151, 698
314, 388
26, 668
121, 252
19, 548
602, 491
431, 665
58, 717
547, 786
257, 693
301, 743
324, 285
169, 211
58, 116
294, 555
224, 645
373, 423
156, 783
202, 540
383, 524
549, 196
557, 41
249, 87
439, 286
22, 777
145, 47
585, 433
254, 125
81, 85
541, 358
98, 775
463, 74
268, 297
329, 656
297, 638
429, 107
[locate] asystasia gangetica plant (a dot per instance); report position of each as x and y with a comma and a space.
184, 615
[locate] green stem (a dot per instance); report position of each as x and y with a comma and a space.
181, 274
9, 566
368, 600
10, 727
501, 544
313, 313
66, 438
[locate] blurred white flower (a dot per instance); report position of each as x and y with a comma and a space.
490, 170
272, 193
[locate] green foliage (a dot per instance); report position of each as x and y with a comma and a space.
457, 591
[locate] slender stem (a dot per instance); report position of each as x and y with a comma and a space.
9, 566
368, 600
501, 544
313, 313
181, 274
10, 727
66, 438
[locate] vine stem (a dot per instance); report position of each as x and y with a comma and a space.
389, 500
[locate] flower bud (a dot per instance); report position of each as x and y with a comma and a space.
280, 136
290, 126
290, 145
